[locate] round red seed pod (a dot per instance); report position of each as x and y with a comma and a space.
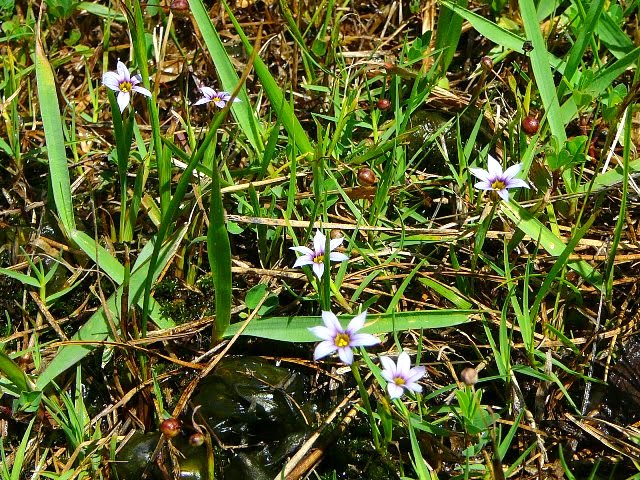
171, 427
367, 177
384, 104
530, 125
196, 439
487, 63
180, 8
469, 376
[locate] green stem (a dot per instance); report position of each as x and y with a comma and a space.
367, 405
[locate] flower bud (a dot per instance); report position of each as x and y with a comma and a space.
180, 8
487, 63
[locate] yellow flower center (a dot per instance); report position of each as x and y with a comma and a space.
318, 259
342, 340
498, 185
125, 87
399, 381
216, 99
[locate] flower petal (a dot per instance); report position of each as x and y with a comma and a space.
202, 101
504, 194
305, 250
303, 260
323, 333
220, 103
512, 171
357, 322
335, 243
481, 174
363, 340
414, 387
332, 322
389, 371
517, 182
142, 90
123, 72
208, 92
111, 80
323, 349
395, 391
123, 100
495, 169
415, 374
337, 257
319, 240
346, 355
484, 185
404, 364
318, 269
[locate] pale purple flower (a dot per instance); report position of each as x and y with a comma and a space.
315, 257
401, 376
497, 180
334, 337
219, 99
123, 83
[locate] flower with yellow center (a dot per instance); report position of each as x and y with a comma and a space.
315, 257
401, 376
219, 99
343, 340
496, 180
122, 82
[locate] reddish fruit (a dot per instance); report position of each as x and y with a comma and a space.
367, 177
180, 8
384, 104
486, 63
469, 376
196, 439
171, 427
530, 125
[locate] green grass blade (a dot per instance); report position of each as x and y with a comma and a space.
280, 105
96, 329
54, 136
14, 373
448, 34
540, 63
296, 329
242, 110
21, 277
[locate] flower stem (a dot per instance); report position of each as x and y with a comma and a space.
367, 405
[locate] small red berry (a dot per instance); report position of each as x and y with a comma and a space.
530, 125
384, 104
367, 177
171, 427
196, 439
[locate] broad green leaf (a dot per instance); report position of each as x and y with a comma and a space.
296, 329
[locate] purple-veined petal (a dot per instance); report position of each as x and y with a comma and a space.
323, 333
319, 240
303, 260
415, 374
111, 80
389, 368
337, 257
318, 269
512, 171
357, 322
123, 100
224, 96
219, 103
323, 349
136, 79
494, 167
517, 182
123, 72
208, 92
481, 174
395, 391
304, 250
346, 355
202, 101
142, 90
332, 322
363, 340
484, 185
335, 243
504, 194
404, 364
414, 387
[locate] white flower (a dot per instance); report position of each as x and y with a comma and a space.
335, 338
497, 180
123, 83
315, 257
401, 376
220, 99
